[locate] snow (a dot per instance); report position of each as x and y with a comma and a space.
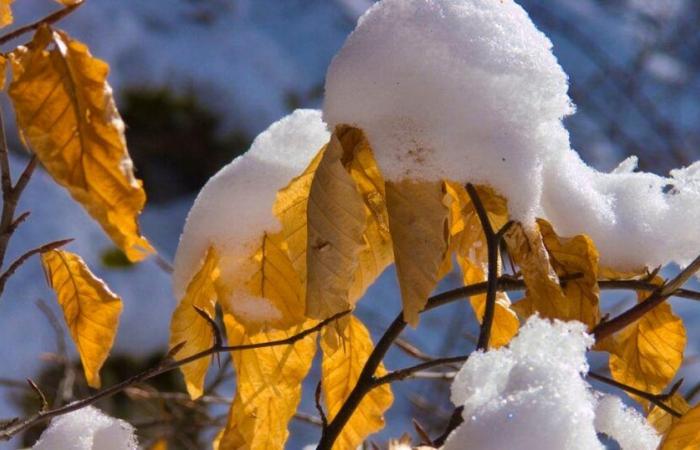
469, 90
532, 395
87, 429
234, 209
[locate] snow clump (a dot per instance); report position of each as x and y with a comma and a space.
470, 91
234, 208
87, 429
532, 395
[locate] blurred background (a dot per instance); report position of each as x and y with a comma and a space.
197, 80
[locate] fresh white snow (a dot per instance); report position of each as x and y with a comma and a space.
87, 429
234, 209
532, 395
469, 90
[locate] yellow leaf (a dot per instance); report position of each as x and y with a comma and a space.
661, 420
648, 353
160, 444
6, 13
188, 326
336, 223
685, 433
569, 256
340, 371
66, 113
69, 2
90, 309
543, 292
419, 224
469, 242
278, 282
268, 391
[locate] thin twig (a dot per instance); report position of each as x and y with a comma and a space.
48, 20
16, 264
65, 386
658, 296
408, 372
656, 399
319, 406
166, 365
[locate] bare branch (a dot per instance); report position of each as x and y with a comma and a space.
16, 264
48, 20
408, 372
656, 399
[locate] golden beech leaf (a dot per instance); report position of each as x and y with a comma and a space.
419, 224
268, 387
90, 309
685, 433
340, 370
188, 326
69, 2
6, 13
277, 281
648, 353
543, 292
570, 256
66, 113
469, 242
336, 223
661, 420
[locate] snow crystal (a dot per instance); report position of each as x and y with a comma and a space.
625, 425
87, 429
469, 90
234, 208
532, 395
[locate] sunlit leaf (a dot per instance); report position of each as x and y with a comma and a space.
685, 433
188, 326
469, 242
419, 224
6, 13
336, 222
575, 256
66, 113
268, 391
662, 420
340, 371
90, 308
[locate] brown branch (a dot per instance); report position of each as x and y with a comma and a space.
408, 372
166, 365
16, 264
48, 20
493, 240
658, 296
656, 399
319, 407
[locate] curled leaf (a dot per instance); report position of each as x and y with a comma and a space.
90, 308
685, 433
340, 371
190, 327
66, 113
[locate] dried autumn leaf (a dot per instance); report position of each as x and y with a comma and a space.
340, 371
419, 225
648, 353
662, 420
90, 308
469, 241
6, 13
685, 433
188, 326
268, 391
543, 292
575, 256
277, 281
336, 223
66, 113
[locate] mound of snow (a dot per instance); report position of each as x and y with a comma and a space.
234, 209
469, 90
87, 429
532, 395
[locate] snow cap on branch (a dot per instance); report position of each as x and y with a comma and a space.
532, 395
234, 209
87, 429
470, 91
